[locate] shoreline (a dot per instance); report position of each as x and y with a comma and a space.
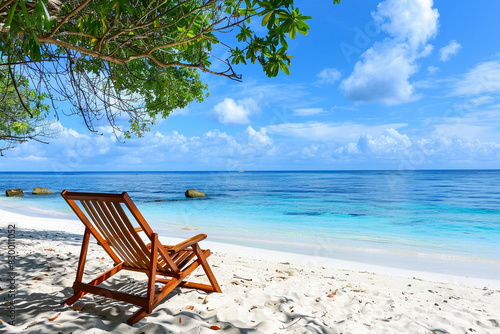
443, 264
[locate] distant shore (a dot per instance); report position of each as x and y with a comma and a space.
264, 292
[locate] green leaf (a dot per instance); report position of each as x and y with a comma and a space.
284, 68
126, 4
11, 14
266, 18
266, 4
25, 14
283, 41
47, 15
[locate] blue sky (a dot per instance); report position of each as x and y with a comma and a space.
395, 84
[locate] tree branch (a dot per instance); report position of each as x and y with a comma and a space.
83, 50
26, 62
5, 4
17, 92
67, 17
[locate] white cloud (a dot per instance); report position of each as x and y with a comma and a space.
258, 137
212, 144
308, 111
471, 105
419, 151
479, 101
350, 108
156, 150
432, 69
382, 75
426, 51
70, 150
230, 111
470, 122
391, 141
408, 21
171, 142
32, 158
449, 50
458, 149
310, 151
177, 111
482, 79
424, 84
329, 75
472, 140
467, 131
336, 132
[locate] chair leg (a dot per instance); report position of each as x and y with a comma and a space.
164, 291
137, 316
73, 298
81, 265
206, 267
152, 273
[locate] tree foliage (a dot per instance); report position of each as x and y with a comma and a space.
23, 115
139, 59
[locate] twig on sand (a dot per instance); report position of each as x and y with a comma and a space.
293, 323
245, 279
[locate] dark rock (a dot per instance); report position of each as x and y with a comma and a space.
194, 193
14, 193
41, 191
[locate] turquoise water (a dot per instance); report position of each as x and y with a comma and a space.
451, 213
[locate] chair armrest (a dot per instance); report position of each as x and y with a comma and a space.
189, 242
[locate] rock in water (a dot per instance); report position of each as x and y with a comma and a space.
194, 193
14, 193
41, 191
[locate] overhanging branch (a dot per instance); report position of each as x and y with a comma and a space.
12, 76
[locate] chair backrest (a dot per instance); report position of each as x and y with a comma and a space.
105, 215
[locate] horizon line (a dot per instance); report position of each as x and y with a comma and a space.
254, 170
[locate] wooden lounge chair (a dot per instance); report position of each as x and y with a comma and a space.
106, 219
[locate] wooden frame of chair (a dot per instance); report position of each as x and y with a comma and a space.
107, 221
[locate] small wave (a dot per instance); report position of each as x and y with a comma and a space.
303, 213
409, 223
177, 200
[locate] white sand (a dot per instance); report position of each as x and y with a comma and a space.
263, 292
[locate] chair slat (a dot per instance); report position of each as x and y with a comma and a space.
181, 255
185, 259
125, 219
104, 230
118, 213
94, 231
145, 227
136, 243
93, 196
114, 228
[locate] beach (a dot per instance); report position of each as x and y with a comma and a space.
328, 169
263, 292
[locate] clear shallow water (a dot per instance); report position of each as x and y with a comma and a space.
450, 213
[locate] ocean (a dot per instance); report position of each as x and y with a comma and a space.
353, 215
